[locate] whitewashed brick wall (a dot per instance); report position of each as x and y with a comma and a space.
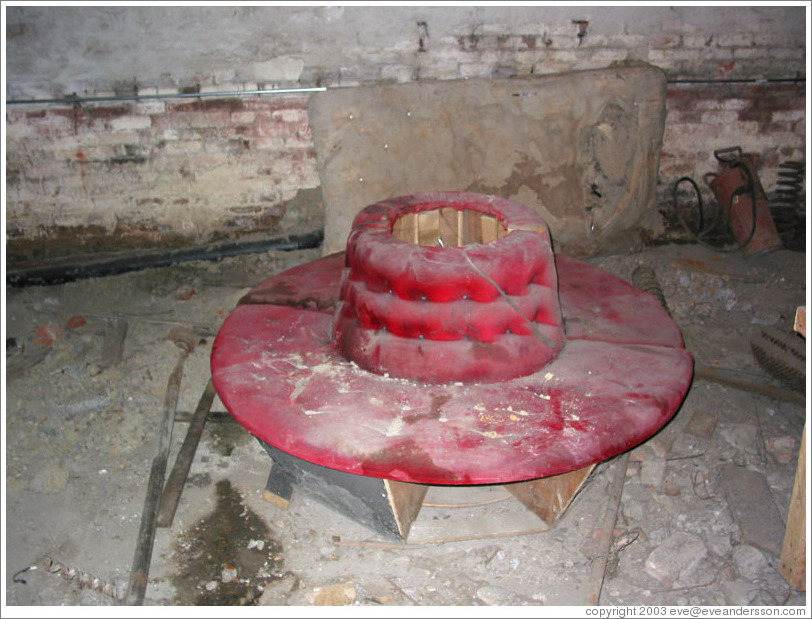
174, 171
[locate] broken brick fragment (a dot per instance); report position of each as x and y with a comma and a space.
77, 321
48, 333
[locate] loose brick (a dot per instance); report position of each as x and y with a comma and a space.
676, 557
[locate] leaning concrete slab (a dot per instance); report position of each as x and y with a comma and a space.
582, 148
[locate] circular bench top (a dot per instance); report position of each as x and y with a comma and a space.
621, 377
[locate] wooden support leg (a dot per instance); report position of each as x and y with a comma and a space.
406, 500
391, 507
549, 497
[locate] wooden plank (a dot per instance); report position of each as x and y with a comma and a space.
549, 497
405, 228
183, 462
460, 228
448, 227
406, 500
472, 231
529, 227
456, 497
428, 227
139, 574
793, 554
737, 380
490, 228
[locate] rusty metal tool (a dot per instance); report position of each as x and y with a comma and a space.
185, 339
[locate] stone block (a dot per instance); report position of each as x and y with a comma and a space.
782, 448
750, 562
676, 557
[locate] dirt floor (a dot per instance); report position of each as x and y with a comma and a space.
82, 430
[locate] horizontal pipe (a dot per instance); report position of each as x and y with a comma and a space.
60, 272
179, 95
242, 93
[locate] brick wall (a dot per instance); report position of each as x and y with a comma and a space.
95, 177
176, 171
768, 120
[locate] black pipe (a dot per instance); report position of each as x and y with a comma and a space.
50, 274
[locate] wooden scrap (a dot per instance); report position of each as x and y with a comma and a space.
183, 462
793, 552
405, 500
737, 380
